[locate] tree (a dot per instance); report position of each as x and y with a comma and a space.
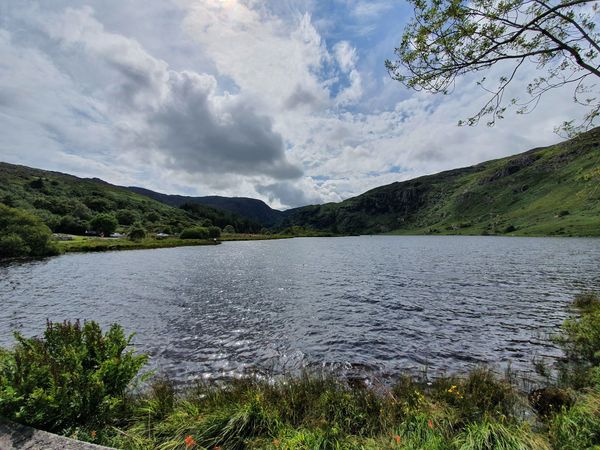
214, 232
126, 216
137, 232
104, 223
23, 234
228, 229
194, 233
450, 38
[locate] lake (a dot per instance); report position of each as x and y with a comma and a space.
377, 305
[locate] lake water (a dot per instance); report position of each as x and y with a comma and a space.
378, 305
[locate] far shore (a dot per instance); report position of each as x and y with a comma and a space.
99, 244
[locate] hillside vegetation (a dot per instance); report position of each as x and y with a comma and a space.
68, 204
250, 208
546, 191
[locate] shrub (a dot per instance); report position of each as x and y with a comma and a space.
72, 225
104, 223
578, 427
214, 232
137, 232
580, 341
194, 233
74, 375
126, 216
23, 234
496, 435
228, 229
11, 245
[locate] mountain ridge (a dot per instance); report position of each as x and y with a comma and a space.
550, 190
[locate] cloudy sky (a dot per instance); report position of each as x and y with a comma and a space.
283, 100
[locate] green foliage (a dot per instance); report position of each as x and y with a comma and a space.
137, 232
66, 204
524, 191
228, 229
22, 234
72, 225
104, 223
580, 341
126, 216
578, 427
194, 233
449, 38
214, 232
74, 375
488, 435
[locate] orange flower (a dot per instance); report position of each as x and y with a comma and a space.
430, 424
189, 441
93, 434
217, 448
397, 439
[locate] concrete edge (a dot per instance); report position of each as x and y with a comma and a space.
14, 436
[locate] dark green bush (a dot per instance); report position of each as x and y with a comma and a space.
23, 234
194, 233
126, 216
104, 223
74, 375
214, 232
137, 232
72, 225
228, 229
580, 341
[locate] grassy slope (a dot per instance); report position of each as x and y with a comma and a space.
61, 194
547, 191
251, 208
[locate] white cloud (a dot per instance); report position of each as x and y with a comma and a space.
234, 97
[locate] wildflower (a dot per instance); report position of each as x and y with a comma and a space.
397, 439
93, 434
276, 442
452, 389
430, 424
189, 441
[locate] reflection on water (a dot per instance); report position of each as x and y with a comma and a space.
381, 304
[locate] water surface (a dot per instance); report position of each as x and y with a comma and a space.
379, 304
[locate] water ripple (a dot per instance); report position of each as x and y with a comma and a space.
377, 304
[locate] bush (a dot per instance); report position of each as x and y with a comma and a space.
72, 376
72, 225
496, 435
104, 223
579, 426
11, 245
194, 233
137, 232
214, 232
580, 341
228, 229
126, 217
23, 234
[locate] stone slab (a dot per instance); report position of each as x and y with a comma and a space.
19, 437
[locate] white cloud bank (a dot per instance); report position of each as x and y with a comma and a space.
244, 99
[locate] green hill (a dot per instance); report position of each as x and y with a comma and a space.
250, 208
546, 191
67, 203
